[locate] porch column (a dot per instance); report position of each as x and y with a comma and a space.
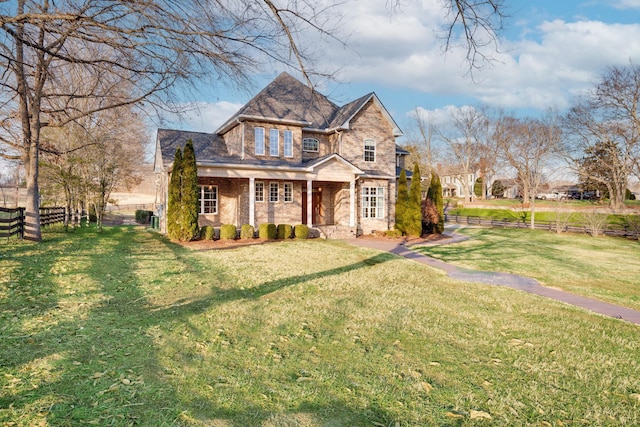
352, 203
252, 201
310, 203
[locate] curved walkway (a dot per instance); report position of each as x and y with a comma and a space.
521, 283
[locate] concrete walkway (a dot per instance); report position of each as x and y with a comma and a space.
521, 283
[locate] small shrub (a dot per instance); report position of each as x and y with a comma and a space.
285, 231
207, 232
228, 231
301, 231
267, 231
393, 233
143, 217
247, 231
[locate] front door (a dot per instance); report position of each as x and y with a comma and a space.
317, 216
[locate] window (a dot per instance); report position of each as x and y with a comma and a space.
274, 142
369, 150
208, 199
288, 192
372, 202
274, 189
259, 141
310, 144
259, 191
288, 143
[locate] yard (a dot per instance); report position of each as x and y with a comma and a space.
124, 327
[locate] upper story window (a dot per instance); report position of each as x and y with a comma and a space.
369, 150
259, 191
208, 199
274, 142
259, 141
310, 144
288, 143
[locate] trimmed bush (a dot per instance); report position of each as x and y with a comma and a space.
301, 231
267, 231
228, 231
247, 231
285, 231
143, 217
393, 233
207, 232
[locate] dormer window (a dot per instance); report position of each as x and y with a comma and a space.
369, 150
310, 144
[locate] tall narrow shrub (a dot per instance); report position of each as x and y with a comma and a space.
190, 189
413, 214
435, 193
402, 202
174, 206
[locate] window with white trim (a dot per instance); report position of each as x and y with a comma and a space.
259, 191
208, 199
369, 150
274, 190
259, 141
288, 192
310, 144
274, 142
288, 143
373, 202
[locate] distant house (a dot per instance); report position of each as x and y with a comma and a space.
291, 156
456, 184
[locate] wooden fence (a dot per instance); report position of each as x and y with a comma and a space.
609, 230
12, 221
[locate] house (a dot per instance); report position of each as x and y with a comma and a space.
455, 184
291, 156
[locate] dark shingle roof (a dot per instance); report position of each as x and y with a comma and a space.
206, 145
286, 98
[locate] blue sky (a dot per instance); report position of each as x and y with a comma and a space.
550, 52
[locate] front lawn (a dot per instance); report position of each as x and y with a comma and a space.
605, 268
126, 328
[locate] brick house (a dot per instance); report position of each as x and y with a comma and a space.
291, 156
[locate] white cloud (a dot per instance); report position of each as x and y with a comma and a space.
201, 116
543, 69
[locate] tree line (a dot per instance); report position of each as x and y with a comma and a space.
597, 140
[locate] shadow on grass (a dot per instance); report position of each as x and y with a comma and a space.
76, 327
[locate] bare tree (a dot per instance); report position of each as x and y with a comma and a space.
157, 45
603, 129
528, 145
465, 139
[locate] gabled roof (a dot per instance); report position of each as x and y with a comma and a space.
205, 145
287, 100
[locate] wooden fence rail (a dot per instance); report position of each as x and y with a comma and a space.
609, 230
12, 221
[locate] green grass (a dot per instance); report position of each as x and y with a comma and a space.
123, 327
604, 268
515, 214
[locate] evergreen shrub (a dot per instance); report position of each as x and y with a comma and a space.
301, 231
267, 231
228, 231
207, 232
247, 231
285, 231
